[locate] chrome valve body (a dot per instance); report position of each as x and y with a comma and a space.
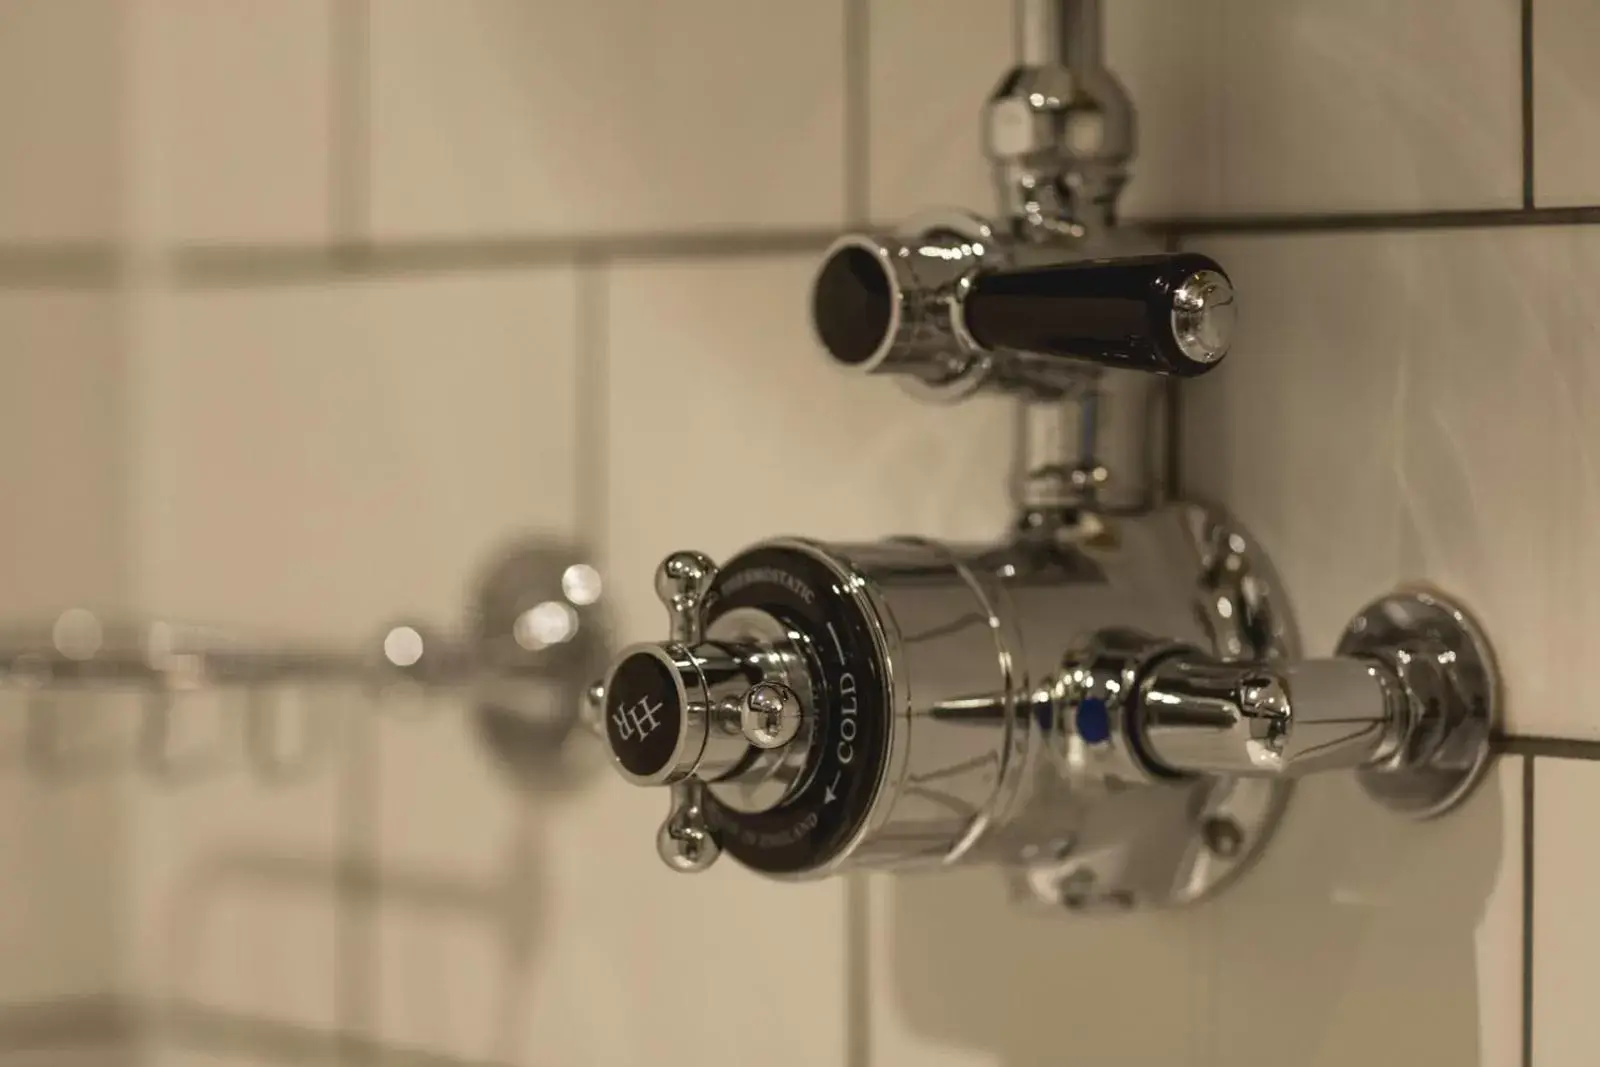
1115, 710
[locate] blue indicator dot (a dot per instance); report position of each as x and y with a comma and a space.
1093, 721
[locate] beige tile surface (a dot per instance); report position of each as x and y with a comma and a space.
1359, 938
1566, 101
961, 975
464, 918
317, 460
533, 924
931, 65
634, 949
228, 886
1374, 939
62, 842
496, 116
1566, 939
62, 81
237, 123
1414, 407
320, 459
62, 428
788, 442
1368, 105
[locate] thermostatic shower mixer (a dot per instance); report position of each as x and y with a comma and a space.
1108, 701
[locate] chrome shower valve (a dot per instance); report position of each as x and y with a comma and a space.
1117, 718
1110, 701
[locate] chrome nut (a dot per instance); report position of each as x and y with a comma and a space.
1026, 121
1049, 117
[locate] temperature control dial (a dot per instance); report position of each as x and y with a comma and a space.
763, 714
672, 711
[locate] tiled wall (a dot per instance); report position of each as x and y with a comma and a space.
309, 305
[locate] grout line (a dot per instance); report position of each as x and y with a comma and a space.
593, 456
349, 150
1527, 910
68, 265
208, 1029
1372, 222
357, 977
229, 265
356, 971
858, 976
1527, 103
99, 265
1547, 747
857, 209
857, 112
86, 1021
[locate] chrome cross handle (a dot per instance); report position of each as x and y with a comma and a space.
729, 712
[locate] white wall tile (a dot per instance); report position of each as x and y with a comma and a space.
532, 925
1413, 407
1566, 937
1360, 937
636, 949
495, 116
1363, 937
363, 446
1244, 106
237, 128
468, 961
62, 846
790, 443
931, 66
228, 899
61, 86
1566, 100
63, 537
1169, 59
63, 428
962, 975
1369, 106
1306, 372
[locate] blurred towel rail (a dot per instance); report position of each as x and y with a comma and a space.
202, 700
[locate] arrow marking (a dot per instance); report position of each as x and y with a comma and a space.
828, 794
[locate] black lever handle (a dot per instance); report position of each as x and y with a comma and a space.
943, 310
1163, 314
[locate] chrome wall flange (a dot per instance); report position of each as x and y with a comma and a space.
1441, 655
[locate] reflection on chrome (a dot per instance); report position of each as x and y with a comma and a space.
581, 585
545, 624
403, 646
77, 634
